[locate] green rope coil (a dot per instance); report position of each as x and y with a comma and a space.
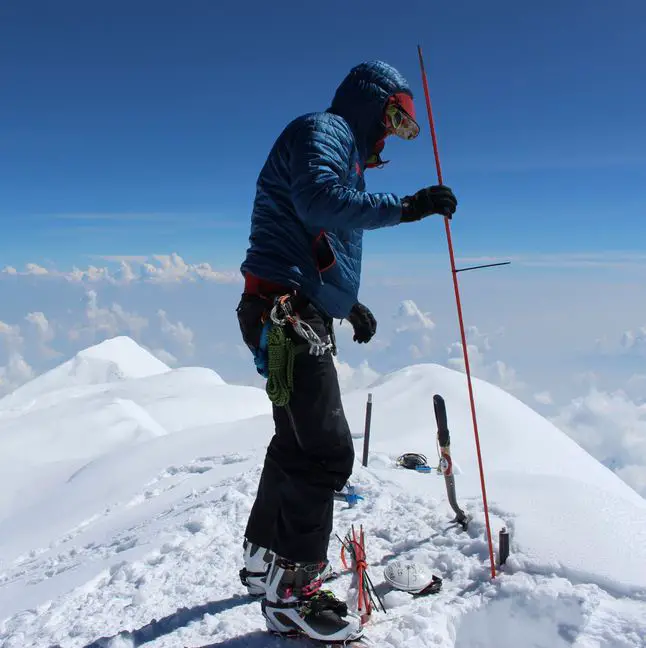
280, 359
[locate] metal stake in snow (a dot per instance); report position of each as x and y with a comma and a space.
454, 272
366, 433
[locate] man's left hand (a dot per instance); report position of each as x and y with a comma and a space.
363, 322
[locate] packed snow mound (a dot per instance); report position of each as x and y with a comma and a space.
113, 360
150, 525
530, 466
513, 437
92, 406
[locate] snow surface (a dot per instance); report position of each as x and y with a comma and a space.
125, 487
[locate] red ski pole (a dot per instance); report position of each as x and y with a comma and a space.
454, 272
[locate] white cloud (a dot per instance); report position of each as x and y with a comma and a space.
17, 369
126, 274
165, 356
172, 268
413, 330
495, 371
11, 335
100, 323
544, 398
422, 349
35, 269
630, 343
506, 377
636, 388
16, 372
179, 333
402, 339
354, 378
634, 341
612, 428
410, 318
45, 333
91, 274
9, 330
133, 323
45, 330
159, 268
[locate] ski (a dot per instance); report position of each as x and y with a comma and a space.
446, 464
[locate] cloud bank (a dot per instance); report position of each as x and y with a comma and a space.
159, 268
569, 361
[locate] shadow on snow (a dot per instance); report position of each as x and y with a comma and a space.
182, 617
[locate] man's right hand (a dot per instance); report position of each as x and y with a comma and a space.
438, 199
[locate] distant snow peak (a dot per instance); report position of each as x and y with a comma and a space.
410, 318
113, 360
125, 358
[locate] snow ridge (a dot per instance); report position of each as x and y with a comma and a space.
123, 503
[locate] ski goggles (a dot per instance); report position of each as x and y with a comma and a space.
400, 123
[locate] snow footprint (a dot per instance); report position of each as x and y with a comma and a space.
175, 475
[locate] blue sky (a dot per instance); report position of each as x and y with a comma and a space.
137, 128
131, 128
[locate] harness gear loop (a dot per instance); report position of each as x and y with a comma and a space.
282, 350
302, 328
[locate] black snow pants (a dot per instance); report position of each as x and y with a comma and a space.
310, 454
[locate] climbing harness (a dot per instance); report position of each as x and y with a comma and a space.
283, 313
277, 351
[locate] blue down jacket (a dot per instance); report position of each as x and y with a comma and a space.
311, 207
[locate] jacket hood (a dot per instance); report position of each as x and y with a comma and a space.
361, 99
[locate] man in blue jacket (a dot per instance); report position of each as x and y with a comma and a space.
309, 215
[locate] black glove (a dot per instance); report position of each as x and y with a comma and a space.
438, 199
363, 322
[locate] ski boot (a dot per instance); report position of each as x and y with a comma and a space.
295, 604
257, 561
